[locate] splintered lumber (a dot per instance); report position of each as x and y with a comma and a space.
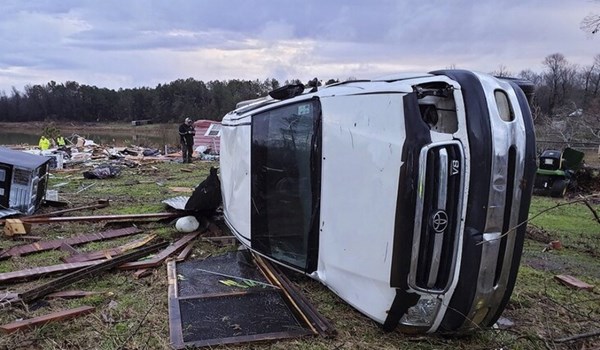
53, 317
573, 282
160, 257
108, 253
96, 218
42, 271
322, 325
56, 243
89, 271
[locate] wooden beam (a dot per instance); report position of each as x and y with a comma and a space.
89, 271
108, 253
42, 271
160, 257
185, 252
41, 320
56, 243
97, 218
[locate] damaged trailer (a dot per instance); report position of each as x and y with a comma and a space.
403, 195
23, 182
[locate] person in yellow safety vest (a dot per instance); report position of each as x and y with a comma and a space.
44, 143
60, 141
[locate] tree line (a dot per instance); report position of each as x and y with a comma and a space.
563, 90
166, 103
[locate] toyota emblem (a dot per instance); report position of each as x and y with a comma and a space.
439, 221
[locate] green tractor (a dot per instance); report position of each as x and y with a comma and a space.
556, 172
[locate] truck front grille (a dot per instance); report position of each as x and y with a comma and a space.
437, 216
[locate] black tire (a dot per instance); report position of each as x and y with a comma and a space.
559, 188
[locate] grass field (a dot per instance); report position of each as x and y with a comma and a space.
132, 313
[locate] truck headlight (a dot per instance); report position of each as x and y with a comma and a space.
422, 314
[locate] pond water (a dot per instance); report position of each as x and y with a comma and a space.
8, 137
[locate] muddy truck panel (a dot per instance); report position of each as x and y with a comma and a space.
400, 194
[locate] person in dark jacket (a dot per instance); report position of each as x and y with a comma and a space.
186, 136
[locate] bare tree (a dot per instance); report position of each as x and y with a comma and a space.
590, 23
559, 78
502, 71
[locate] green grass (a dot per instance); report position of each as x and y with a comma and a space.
132, 313
573, 224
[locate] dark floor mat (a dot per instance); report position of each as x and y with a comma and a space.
207, 308
235, 315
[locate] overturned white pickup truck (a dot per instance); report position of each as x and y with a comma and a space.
403, 194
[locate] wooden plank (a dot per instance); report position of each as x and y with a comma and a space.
245, 339
142, 273
109, 253
56, 243
185, 252
175, 327
160, 257
182, 189
68, 249
573, 282
224, 240
89, 271
41, 320
323, 326
71, 294
97, 218
42, 271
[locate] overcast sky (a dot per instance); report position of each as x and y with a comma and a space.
136, 43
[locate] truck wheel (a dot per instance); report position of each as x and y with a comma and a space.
559, 188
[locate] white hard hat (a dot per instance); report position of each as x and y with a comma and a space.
187, 224
188, 120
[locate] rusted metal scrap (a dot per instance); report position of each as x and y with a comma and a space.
56, 243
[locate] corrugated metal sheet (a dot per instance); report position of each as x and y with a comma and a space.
8, 212
23, 159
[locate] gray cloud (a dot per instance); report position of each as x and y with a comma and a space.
131, 43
